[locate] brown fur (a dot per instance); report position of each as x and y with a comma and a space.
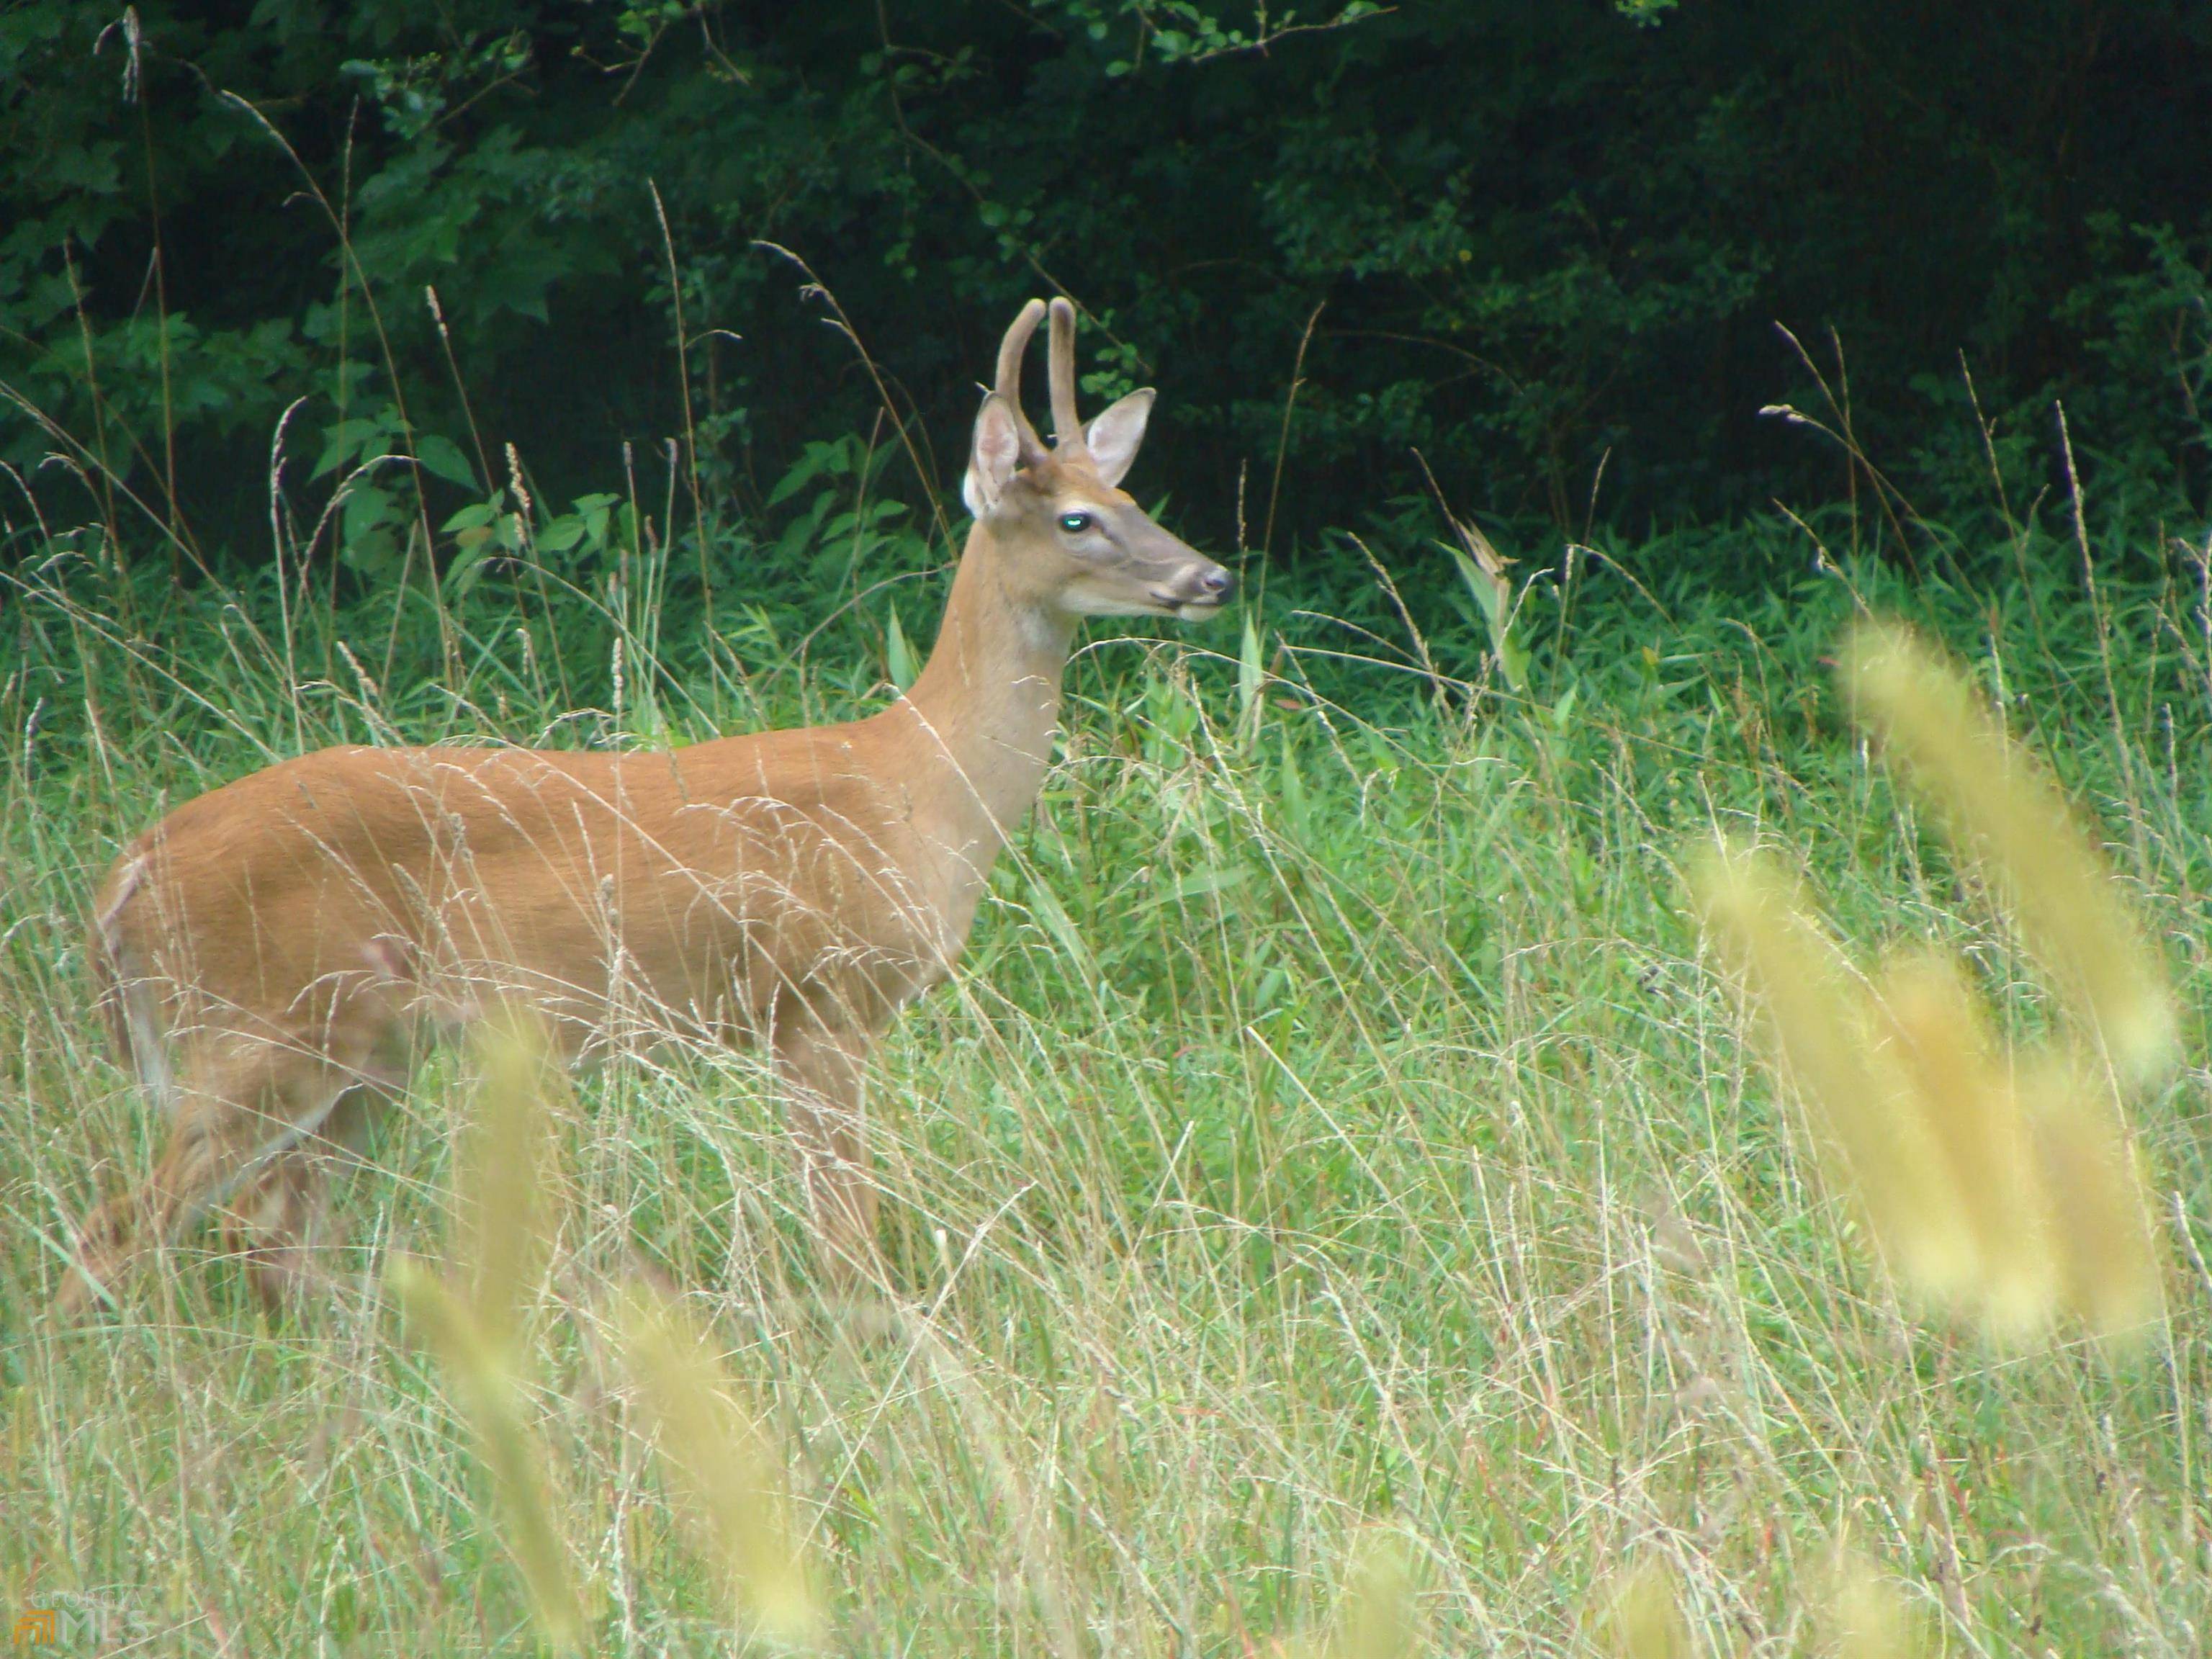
274, 955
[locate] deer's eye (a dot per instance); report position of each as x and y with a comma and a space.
1076, 523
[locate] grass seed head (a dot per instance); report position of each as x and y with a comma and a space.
1997, 805
1641, 1618
1374, 1617
723, 1466
1862, 1615
2099, 1196
1825, 1027
1986, 1165
484, 1385
506, 1173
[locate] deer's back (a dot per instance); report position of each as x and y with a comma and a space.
693, 885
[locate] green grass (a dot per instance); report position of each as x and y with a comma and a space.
1335, 1127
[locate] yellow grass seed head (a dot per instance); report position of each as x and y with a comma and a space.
1989, 1172
484, 1386
1997, 805
1861, 1103
506, 1172
1640, 1618
2100, 1200
1374, 1615
721, 1464
1862, 1615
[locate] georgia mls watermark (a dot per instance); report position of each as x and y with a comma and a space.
79, 1621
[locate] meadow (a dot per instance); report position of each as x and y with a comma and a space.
1340, 1204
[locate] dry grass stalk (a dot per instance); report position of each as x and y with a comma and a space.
723, 1465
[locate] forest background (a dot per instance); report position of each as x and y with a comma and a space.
1574, 255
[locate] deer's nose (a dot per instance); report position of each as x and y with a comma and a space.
1217, 584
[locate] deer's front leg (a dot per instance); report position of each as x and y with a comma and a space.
281, 1223
823, 1069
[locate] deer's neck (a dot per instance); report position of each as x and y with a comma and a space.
988, 704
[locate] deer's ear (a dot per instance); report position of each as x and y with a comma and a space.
1114, 436
992, 458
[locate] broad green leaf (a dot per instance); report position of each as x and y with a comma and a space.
904, 669
441, 458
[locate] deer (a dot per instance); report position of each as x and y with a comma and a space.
273, 958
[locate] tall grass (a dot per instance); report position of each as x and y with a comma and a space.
1336, 1207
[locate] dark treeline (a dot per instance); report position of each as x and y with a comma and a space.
1524, 239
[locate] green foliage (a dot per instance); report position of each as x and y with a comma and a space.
1164, 32
2146, 321
1546, 245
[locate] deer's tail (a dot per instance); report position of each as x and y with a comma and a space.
121, 991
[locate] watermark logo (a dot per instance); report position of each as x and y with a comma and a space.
74, 1620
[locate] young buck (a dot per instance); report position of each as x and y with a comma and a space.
274, 955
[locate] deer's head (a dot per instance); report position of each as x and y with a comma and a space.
1079, 544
